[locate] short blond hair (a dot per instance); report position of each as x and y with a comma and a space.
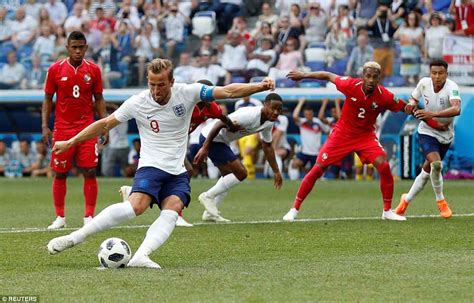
159, 65
372, 64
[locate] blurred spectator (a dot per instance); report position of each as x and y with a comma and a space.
203, 5
247, 101
239, 24
74, 21
40, 166
116, 152
129, 13
464, 10
286, 32
93, 36
365, 10
35, 77
336, 44
153, 16
133, 157
44, 44
147, 46
23, 28
261, 59
60, 44
206, 46
108, 6
296, 17
184, 71
25, 157
209, 71
398, 11
289, 59
267, 16
381, 30
107, 58
5, 157
360, 54
345, 21
174, 23
32, 8
5, 26
45, 18
434, 36
57, 11
450, 24
124, 41
234, 54
226, 11
411, 41
284, 6
265, 31
101, 22
315, 24
12, 73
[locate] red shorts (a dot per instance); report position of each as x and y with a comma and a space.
339, 145
84, 154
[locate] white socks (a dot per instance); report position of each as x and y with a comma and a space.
223, 185
437, 179
418, 185
158, 232
219, 198
108, 217
293, 173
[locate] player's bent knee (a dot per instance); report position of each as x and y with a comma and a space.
140, 202
384, 169
241, 174
172, 203
436, 166
89, 172
61, 175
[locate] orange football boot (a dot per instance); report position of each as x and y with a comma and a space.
402, 206
444, 210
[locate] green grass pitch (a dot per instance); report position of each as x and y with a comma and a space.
347, 254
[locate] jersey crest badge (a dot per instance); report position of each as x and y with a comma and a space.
374, 105
179, 110
325, 156
87, 77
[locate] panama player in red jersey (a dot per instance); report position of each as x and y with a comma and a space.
355, 132
76, 82
201, 113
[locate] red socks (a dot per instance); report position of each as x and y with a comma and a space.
307, 185
90, 195
59, 195
386, 185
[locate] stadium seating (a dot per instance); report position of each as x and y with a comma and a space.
316, 45
24, 53
338, 67
256, 79
315, 54
5, 48
316, 65
237, 79
125, 73
393, 81
311, 83
285, 83
204, 23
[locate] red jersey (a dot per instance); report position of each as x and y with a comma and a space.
201, 115
74, 88
360, 112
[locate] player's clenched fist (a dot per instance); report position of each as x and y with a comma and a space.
268, 83
60, 147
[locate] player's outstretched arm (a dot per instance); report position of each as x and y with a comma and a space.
204, 150
270, 156
239, 90
297, 75
95, 129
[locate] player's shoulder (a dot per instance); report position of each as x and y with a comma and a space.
451, 84
56, 65
91, 65
424, 82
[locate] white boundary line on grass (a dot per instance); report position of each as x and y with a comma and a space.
36, 229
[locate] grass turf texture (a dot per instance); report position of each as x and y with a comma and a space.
423, 259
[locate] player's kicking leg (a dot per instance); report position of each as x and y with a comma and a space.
125, 191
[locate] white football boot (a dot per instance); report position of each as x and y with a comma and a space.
207, 216
208, 204
291, 215
390, 215
58, 223
143, 261
59, 244
181, 222
125, 191
87, 219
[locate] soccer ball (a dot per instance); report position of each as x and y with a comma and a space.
114, 253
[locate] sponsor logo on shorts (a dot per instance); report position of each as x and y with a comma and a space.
325, 156
179, 110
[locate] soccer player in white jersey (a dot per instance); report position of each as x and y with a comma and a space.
215, 140
311, 130
280, 144
442, 102
163, 114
